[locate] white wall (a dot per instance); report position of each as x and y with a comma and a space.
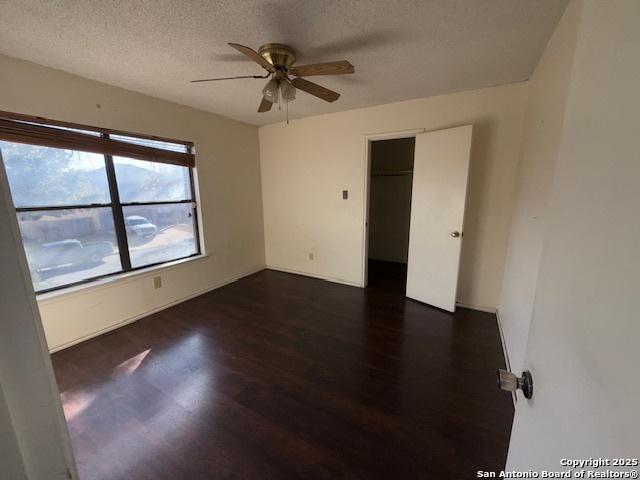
583, 341
545, 113
228, 173
390, 199
306, 165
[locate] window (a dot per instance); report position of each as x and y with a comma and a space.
107, 203
157, 207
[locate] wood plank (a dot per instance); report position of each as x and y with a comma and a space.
283, 376
315, 90
340, 67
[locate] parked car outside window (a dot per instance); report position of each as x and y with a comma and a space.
140, 226
68, 252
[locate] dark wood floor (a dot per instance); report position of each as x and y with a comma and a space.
288, 377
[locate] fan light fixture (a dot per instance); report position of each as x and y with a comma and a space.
277, 91
287, 91
271, 91
279, 62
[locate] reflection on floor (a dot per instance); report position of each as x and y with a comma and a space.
288, 377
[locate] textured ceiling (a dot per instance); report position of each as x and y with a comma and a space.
401, 49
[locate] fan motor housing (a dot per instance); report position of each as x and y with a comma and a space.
278, 54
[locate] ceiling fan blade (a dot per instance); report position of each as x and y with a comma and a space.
228, 78
253, 55
330, 68
315, 90
265, 105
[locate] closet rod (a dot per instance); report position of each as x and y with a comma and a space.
392, 173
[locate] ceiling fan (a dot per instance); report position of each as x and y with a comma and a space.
278, 60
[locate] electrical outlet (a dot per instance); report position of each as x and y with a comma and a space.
157, 282
310, 255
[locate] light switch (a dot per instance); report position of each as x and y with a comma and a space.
345, 194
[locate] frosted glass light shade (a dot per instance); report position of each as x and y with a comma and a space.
287, 91
271, 90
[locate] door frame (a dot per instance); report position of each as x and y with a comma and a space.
368, 140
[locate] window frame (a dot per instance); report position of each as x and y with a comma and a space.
117, 207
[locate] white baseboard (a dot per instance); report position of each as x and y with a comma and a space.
359, 285
504, 343
152, 311
477, 307
314, 275
507, 362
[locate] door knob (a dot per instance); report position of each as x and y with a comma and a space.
456, 234
508, 382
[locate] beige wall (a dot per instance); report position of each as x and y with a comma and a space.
227, 170
545, 113
306, 165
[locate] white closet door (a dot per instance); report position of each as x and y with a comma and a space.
439, 193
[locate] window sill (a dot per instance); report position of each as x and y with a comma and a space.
117, 279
